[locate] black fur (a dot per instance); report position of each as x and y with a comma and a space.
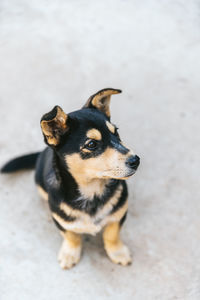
123, 219
103, 99
122, 198
24, 162
51, 115
58, 225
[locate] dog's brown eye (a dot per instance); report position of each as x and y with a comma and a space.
91, 145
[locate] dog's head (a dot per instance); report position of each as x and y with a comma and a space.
87, 142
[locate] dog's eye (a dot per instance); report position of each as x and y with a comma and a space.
92, 145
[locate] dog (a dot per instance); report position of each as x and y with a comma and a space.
82, 175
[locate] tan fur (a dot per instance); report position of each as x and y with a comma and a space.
59, 121
111, 233
97, 102
83, 226
111, 127
110, 164
70, 211
106, 208
87, 224
70, 251
94, 134
95, 187
110, 204
105, 108
42, 193
73, 238
114, 247
117, 216
85, 150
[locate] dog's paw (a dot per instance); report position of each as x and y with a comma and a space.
120, 255
68, 256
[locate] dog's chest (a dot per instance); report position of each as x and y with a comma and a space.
92, 224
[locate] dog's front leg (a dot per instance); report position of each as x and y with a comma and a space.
70, 251
116, 250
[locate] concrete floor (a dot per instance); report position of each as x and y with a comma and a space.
61, 52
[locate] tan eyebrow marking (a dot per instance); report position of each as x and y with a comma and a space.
110, 126
94, 134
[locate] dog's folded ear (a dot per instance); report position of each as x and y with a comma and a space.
101, 100
54, 125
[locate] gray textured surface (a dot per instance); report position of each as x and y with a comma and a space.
60, 52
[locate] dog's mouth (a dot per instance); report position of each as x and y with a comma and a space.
118, 174
128, 175
131, 173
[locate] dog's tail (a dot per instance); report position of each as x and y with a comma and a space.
25, 162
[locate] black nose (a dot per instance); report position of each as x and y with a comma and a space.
133, 162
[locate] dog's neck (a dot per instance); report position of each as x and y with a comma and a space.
91, 188
80, 186
89, 194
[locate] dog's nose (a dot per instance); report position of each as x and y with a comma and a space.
133, 162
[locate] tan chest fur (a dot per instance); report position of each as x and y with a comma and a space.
85, 223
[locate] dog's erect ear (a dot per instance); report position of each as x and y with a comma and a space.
54, 125
101, 100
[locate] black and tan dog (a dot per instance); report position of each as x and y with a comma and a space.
82, 174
